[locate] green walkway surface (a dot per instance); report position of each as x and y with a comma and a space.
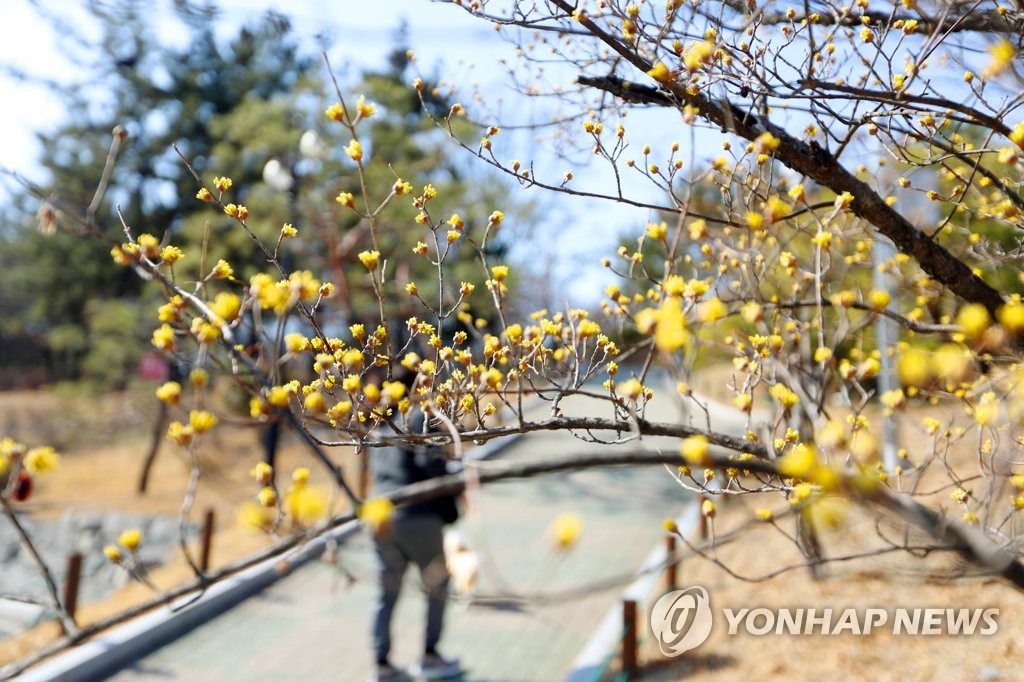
536, 609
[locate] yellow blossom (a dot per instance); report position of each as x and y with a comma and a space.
376, 513
340, 410
697, 54
657, 231
660, 72
631, 389
130, 539
201, 421
588, 328
912, 366
305, 505
828, 511
222, 270
878, 299
169, 392
252, 515
239, 211
336, 112
179, 433
783, 396
755, 221
973, 319
354, 150
364, 108
987, 409
566, 529
694, 450
712, 310
1011, 316
351, 383
1003, 53
148, 245
267, 496
894, 399
163, 338
199, 378
315, 402
369, 259
296, 342
41, 460
262, 472
394, 390
171, 254
226, 306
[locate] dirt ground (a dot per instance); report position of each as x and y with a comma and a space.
886, 582
744, 572
99, 472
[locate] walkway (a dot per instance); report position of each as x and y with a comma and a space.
313, 624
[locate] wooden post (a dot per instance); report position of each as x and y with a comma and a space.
71, 582
206, 538
629, 642
364, 475
703, 519
670, 558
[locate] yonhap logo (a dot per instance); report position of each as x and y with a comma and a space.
681, 620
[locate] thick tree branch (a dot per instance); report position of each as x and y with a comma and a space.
967, 541
988, 21
588, 424
821, 166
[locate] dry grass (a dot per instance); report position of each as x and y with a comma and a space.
105, 477
886, 580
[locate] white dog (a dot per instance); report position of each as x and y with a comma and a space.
463, 566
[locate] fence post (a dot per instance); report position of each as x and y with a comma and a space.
363, 489
71, 582
703, 519
629, 638
206, 538
670, 566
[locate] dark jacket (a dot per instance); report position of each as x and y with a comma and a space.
398, 466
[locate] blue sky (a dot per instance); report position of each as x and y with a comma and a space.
441, 33
446, 40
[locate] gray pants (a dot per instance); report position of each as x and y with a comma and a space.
417, 539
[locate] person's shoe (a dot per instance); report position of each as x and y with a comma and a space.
434, 667
388, 673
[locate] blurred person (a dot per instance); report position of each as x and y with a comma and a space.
415, 534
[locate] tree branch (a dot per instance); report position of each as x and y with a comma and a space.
821, 166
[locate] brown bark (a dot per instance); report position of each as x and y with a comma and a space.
821, 166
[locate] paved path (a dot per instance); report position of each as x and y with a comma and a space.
313, 624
